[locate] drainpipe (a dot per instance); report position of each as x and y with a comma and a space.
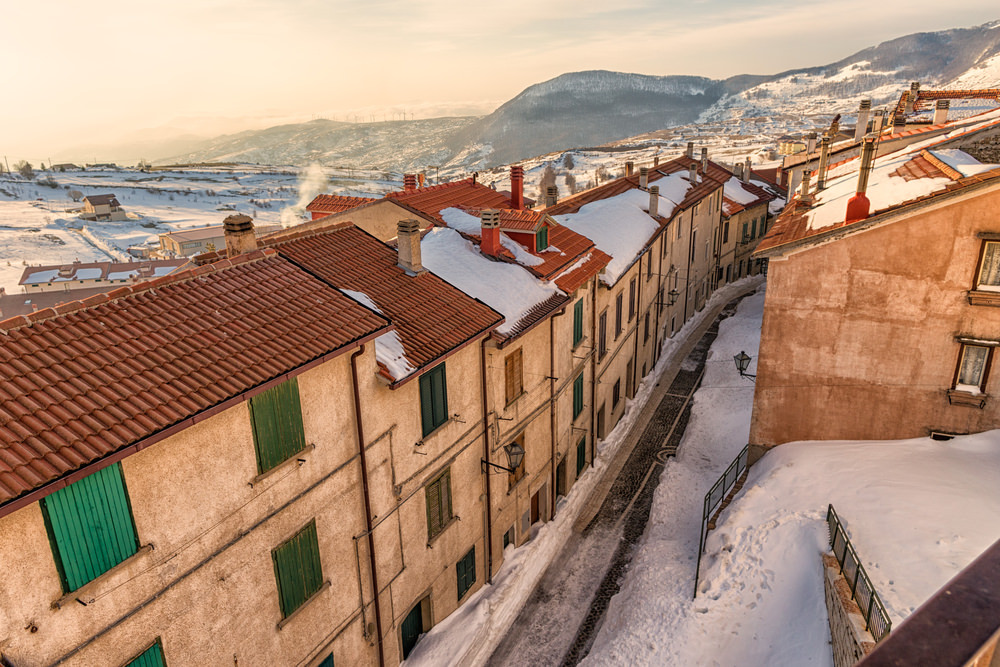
638, 309
486, 472
664, 235
687, 274
552, 404
593, 369
368, 505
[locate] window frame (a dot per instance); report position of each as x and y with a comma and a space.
602, 346
631, 300
577, 322
293, 549
513, 371
441, 515
984, 372
578, 395
466, 565
981, 264
616, 393
619, 308
430, 403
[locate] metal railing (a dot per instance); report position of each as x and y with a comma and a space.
876, 617
714, 498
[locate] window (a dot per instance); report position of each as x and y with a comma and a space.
508, 537
90, 526
649, 266
602, 334
327, 662
694, 235
973, 365
541, 241
679, 225
438, 504
616, 394
466, 571
581, 455
514, 375
725, 232
151, 657
989, 267
618, 315
297, 569
753, 229
578, 322
746, 233
645, 329
514, 477
578, 396
631, 299
433, 398
276, 418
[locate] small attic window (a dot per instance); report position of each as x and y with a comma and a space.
542, 239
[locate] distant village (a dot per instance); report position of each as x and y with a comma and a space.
330, 436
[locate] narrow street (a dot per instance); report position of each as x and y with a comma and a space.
561, 618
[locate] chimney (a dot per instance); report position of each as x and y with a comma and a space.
898, 123
421, 178
804, 195
704, 160
654, 200
643, 177
690, 150
864, 111
811, 142
490, 234
239, 234
409, 182
941, 111
747, 170
858, 207
738, 170
824, 161
517, 186
656, 161
693, 172
629, 166
911, 97
408, 245
551, 196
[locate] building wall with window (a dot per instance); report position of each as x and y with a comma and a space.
863, 335
735, 260
202, 579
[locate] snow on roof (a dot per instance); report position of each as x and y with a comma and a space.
88, 274
734, 190
507, 288
470, 224
41, 276
621, 225
388, 347
962, 161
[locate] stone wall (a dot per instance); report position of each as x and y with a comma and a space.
850, 641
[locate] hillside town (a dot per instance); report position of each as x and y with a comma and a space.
323, 443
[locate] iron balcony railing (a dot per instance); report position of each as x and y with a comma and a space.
714, 498
876, 617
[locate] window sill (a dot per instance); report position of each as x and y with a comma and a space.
984, 298
956, 397
288, 619
513, 487
297, 457
514, 400
107, 581
444, 528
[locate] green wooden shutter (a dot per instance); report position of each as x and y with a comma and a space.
90, 525
578, 322
466, 572
542, 239
151, 657
327, 661
581, 456
433, 398
297, 569
276, 415
578, 396
438, 495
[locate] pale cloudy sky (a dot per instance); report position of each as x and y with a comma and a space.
85, 72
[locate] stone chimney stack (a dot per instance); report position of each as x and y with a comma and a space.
738, 170
551, 196
643, 177
409, 182
811, 142
879, 122
408, 245
629, 168
864, 111
656, 161
240, 238
690, 150
824, 162
654, 200
804, 196
517, 186
704, 160
911, 98
941, 111
693, 172
898, 123
747, 170
859, 207
490, 233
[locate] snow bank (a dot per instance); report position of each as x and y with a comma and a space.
733, 190
389, 349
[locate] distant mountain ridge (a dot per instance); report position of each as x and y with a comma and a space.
595, 107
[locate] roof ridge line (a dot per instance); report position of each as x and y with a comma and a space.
948, 170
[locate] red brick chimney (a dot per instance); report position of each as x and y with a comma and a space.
420, 179
238, 230
490, 234
858, 207
409, 182
517, 186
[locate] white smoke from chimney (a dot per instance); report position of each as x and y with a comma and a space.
312, 181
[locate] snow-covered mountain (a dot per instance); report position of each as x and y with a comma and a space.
593, 108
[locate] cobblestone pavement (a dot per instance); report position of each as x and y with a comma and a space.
561, 618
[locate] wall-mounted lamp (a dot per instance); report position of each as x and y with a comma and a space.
742, 363
515, 454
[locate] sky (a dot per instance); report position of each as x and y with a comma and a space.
81, 76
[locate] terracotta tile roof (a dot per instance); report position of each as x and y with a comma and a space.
924, 97
592, 264
435, 198
731, 207
520, 220
431, 317
84, 380
336, 203
769, 176
925, 165
534, 316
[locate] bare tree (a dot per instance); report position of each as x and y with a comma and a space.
25, 169
571, 184
548, 178
568, 161
75, 195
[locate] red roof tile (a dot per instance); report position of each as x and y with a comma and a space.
435, 198
336, 203
731, 207
86, 379
431, 316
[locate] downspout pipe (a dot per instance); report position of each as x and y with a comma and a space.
638, 313
368, 503
687, 275
552, 405
594, 352
486, 456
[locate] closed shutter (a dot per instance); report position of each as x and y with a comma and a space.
513, 373
297, 569
433, 398
278, 433
90, 524
581, 456
577, 396
578, 322
466, 572
151, 657
438, 504
542, 239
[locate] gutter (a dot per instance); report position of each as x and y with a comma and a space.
486, 456
552, 406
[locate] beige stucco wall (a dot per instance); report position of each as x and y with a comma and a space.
204, 580
859, 335
379, 219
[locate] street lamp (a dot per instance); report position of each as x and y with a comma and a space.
742, 363
515, 454
672, 297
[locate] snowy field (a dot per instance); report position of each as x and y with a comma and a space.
918, 511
